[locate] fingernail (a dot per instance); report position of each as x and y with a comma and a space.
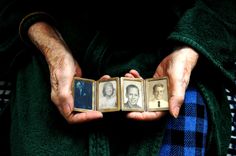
176, 112
100, 115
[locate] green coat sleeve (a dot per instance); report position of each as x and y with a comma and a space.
11, 15
210, 27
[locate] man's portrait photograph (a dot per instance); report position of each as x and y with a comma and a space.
157, 94
132, 94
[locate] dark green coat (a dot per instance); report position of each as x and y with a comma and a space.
112, 39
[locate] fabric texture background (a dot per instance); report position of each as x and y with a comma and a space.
36, 125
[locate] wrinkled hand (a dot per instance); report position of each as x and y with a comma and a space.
63, 68
62, 71
177, 67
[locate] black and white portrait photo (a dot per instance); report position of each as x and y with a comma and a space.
157, 94
107, 94
132, 94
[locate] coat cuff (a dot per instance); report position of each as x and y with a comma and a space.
29, 20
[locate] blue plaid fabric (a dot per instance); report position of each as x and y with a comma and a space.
232, 103
5, 92
186, 135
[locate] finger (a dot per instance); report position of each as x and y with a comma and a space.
78, 71
76, 118
63, 95
129, 75
64, 89
54, 84
135, 73
162, 67
177, 95
145, 116
65, 105
66, 109
54, 97
105, 77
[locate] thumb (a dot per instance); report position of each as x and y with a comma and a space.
65, 96
176, 99
78, 71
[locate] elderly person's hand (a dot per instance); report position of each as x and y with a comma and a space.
63, 68
177, 67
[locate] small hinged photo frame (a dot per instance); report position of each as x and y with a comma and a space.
108, 95
125, 94
132, 92
83, 91
156, 94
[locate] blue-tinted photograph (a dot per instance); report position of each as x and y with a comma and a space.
83, 94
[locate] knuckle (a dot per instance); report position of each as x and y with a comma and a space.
70, 121
62, 95
54, 98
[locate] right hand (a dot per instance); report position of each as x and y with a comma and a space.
63, 67
62, 70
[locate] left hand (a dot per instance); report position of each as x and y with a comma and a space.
177, 67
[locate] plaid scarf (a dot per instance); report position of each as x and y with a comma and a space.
186, 135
